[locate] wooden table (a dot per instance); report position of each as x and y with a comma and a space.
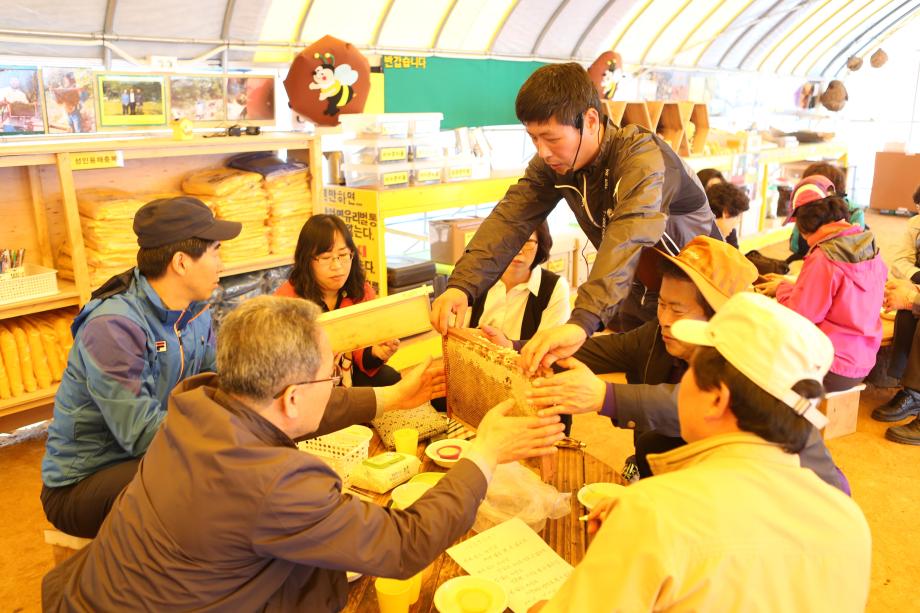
567, 536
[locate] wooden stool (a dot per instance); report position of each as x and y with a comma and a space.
841, 409
64, 545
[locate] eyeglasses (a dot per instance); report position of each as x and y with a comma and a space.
335, 381
530, 243
342, 258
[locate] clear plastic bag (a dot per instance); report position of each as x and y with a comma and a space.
516, 491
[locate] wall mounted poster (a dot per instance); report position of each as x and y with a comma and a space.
131, 100
20, 105
198, 98
70, 103
251, 99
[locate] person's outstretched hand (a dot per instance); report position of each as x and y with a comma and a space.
501, 438
452, 302
496, 336
550, 345
418, 386
575, 390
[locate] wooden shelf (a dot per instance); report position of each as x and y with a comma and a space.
260, 264
802, 152
45, 152
427, 198
28, 401
67, 296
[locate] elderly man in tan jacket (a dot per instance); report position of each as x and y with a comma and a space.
225, 513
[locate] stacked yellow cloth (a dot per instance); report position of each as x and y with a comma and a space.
235, 195
220, 182
291, 206
106, 218
33, 352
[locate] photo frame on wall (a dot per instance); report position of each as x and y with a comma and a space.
127, 100
20, 101
200, 98
251, 99
70, 100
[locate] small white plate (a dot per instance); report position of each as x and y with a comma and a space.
432, 451
469, 593
593, 493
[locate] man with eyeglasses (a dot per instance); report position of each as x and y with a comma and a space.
225, 513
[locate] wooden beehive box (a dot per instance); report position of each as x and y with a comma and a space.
375, 321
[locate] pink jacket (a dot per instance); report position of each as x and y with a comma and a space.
840, 289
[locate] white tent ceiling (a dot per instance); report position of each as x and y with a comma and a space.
801, 37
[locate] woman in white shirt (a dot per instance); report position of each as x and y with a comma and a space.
527, 298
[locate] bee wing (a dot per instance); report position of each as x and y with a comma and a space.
345, 74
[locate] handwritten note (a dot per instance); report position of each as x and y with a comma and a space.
515, 557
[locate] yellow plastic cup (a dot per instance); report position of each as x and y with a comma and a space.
394, 595
416, 591
406, 440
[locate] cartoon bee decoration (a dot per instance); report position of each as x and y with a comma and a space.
333, 82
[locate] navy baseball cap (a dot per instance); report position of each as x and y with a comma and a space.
169, 220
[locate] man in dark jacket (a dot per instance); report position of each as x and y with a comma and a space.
226, 514
628, 189
696, 284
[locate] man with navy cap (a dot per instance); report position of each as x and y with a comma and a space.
140, 334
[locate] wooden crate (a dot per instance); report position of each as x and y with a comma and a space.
637, 113
673, 123
64, 545
614, 110
699, 117
842, 410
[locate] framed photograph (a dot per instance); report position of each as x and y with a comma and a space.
127, 101
20, 102
70, 103
198, 98
251, 100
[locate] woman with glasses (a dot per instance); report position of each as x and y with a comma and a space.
328, 271
526, 298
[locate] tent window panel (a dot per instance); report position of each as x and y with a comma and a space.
412, 24
353, 21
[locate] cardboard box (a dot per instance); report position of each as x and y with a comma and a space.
449, 238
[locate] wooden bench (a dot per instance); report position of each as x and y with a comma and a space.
842, 410
64, 545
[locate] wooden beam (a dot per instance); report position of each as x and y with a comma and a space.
40, 216
73, 230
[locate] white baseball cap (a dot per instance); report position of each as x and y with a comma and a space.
768, 343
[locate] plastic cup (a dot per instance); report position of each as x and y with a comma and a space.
416, 591
394, 595
406, 440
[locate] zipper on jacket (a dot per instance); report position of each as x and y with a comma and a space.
584, 199
181, 350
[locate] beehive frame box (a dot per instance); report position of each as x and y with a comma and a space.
383, 319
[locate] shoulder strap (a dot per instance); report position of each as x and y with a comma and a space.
533, 311
115, 285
